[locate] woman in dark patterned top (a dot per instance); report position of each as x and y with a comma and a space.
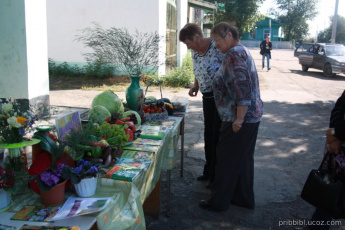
237, 96
206, 61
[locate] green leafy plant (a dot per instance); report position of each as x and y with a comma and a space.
131, 54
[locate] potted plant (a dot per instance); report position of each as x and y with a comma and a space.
130, 54
7, 186
52, 185
84, 177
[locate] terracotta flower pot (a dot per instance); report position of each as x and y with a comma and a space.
86, 187
55, 195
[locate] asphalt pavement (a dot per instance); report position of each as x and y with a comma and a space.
290, 143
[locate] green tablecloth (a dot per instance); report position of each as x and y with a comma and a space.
125, 210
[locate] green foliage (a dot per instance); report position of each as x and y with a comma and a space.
131, 54
326, 35
97, 69
178, 77
294, 14
242, 14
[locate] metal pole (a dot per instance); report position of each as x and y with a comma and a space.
335, 21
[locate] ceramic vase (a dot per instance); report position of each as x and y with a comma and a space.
134, 94
54, 196
86, 187
5, 199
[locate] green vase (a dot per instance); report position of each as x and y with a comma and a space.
134, 94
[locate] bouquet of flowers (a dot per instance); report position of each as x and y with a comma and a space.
14, 121
51, 177
83, 169
7, 179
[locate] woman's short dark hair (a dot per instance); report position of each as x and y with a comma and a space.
223, 28
189, 31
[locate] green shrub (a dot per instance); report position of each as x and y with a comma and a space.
181, 77
98, 70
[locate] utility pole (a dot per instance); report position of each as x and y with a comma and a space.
335, 21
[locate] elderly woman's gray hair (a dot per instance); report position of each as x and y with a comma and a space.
222, 28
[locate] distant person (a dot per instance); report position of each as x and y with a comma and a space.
237, 95
206, 61
265, 51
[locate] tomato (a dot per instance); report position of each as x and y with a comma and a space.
131, 125
152, 111
159, 110
130, 134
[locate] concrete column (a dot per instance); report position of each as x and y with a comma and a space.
182, 14
24, 53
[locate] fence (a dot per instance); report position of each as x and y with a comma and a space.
275, 44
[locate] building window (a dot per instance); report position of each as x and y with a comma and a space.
266, 33
171, 36
252, 34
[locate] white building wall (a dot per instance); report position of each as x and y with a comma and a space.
66, 18
23, 49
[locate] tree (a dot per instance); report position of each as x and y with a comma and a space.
294, 14
241, 13
326, 35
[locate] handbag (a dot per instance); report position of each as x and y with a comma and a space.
324, 190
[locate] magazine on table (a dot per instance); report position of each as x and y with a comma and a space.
76, 206
35, 213
148, 141
137, 155
142, 147
134, 163
33, 227
122, 173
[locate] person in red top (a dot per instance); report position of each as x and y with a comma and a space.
265, 51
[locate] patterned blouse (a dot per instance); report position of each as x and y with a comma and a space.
205, 66
236, 83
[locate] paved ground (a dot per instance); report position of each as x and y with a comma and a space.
290, 143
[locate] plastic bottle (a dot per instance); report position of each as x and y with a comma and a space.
36, 149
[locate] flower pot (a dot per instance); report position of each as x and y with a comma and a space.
5, 199
54, 196
86, 187
134, 94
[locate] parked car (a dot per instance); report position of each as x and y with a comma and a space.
330, 58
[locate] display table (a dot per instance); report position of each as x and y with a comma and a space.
125, 210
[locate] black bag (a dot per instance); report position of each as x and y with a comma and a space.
261, 52
325, 191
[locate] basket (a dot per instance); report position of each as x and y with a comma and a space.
155, 116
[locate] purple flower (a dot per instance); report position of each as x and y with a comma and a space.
78, 169
49, 178
93, 169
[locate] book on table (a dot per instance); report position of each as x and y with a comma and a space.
34, 227
142, 147
35, 213
127, 169
137, 155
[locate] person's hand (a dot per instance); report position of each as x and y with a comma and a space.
334, 146
237, 125
333, 143
193, 91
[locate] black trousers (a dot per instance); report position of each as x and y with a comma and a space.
212, 124
234, 179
